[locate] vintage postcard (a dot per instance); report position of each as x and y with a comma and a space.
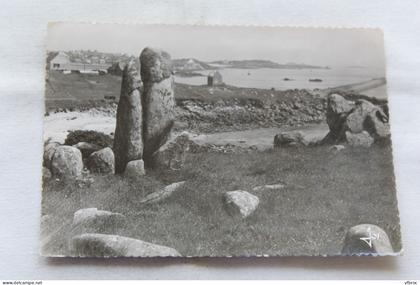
194, 141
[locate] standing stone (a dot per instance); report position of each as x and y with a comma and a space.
66, 162
158, 99
102, 161
367, 239
128, 141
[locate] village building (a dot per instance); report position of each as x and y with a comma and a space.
214, 79
59, 61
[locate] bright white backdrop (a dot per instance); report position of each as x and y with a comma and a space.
22, 41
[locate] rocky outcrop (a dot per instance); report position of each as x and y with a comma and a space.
358, 123
158, 99
292, 138
102, 161
66, 162
100, 245
367, 239
173, 153
240, 203
128, 140
162, 194
134, 169
92, 220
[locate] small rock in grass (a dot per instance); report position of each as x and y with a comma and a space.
362, 139
240, 202
100, 245
162, 194
337, 147
102, 161
97, 221
134, 169
268, 187
66, 162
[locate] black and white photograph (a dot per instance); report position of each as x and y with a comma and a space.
216, 141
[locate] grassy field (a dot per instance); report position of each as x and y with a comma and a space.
326, 193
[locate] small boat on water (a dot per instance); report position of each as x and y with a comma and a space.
287, 79
315, 80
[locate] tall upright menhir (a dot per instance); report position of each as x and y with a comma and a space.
128, 140
158, 100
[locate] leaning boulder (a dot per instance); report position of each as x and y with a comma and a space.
158, 99
66, 162
240, 203
291, 138
134, 169
173, 153
367, 239
128, 139
100, 245
92, 220
102, 161
162, 194
362, 139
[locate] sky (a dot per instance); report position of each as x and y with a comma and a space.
316, 46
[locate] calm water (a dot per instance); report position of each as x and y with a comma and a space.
268, 78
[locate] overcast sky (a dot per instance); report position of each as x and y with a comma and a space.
332, 47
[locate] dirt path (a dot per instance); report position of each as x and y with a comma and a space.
261, 138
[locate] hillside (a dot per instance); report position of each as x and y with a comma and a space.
256, 63
189, 64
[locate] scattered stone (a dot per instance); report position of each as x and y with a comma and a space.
240, 203
173, 153
128, 139
86, 148
268, 187
158, 99
367, 239
100, 245
92, 220
46, 173
162, 194
362, 139
292, 138
337, 147
134, 169
102, 161
66, 162
49, 150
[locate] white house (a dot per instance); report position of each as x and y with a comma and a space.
60, 61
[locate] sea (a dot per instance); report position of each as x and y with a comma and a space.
267, 78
